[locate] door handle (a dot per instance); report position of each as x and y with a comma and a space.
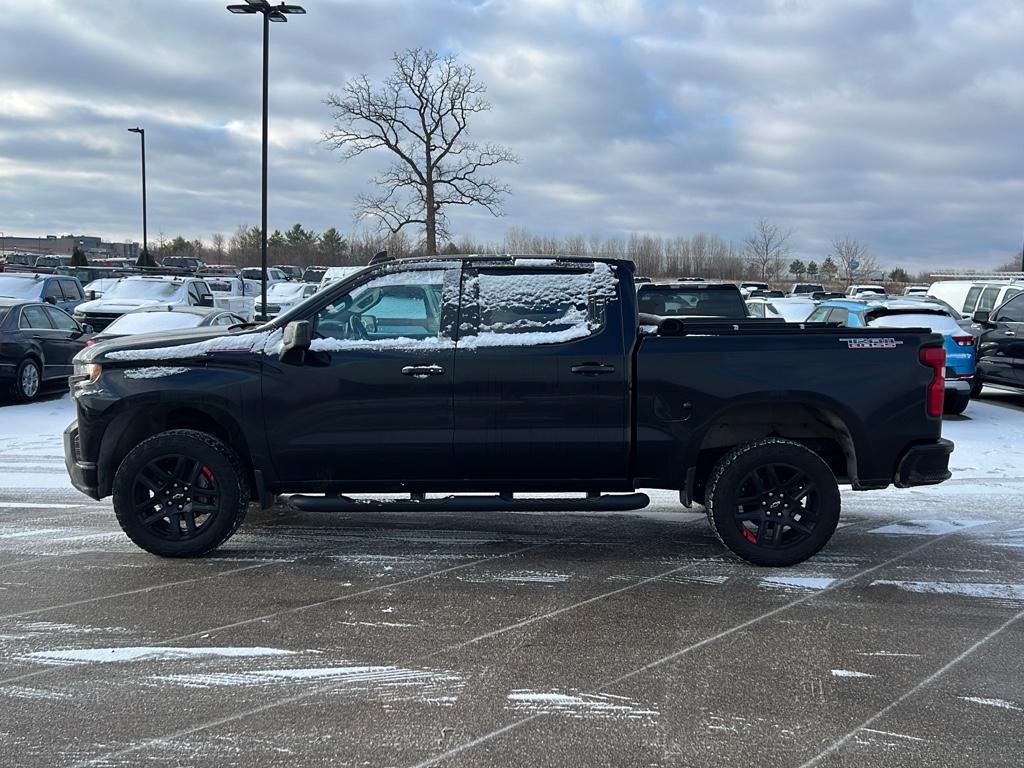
422, 371
1009, 333
592, 369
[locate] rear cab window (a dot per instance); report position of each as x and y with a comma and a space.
691, 301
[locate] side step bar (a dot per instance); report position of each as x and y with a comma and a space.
603, 503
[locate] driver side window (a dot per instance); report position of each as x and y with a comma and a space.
399, 305
1012, 311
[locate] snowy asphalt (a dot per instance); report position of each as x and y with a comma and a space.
514, 640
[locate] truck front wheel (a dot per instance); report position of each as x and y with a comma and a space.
180, 493
773, 502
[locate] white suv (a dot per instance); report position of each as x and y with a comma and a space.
143, 291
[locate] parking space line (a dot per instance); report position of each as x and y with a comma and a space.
683, 651
838, 743
501, 630
264, 617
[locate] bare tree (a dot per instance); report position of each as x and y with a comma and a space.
421, 115
847, 251
766, 247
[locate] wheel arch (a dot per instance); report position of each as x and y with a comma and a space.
135, 424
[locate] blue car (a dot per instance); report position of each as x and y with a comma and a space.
961, 353
61, 291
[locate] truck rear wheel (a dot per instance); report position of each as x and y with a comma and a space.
180, 493
773, 502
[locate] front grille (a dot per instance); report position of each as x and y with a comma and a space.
96, 320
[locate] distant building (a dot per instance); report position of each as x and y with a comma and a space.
63, 245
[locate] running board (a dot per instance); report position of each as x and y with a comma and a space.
506, 503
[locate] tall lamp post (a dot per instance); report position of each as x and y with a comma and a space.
270, 13
143, 259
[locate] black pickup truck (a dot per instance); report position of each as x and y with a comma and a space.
494, 377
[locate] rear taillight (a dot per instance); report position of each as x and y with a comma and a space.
964, 341
935, 358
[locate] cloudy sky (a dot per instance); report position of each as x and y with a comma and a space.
898, 122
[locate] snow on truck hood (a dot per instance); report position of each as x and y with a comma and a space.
178, 345
117, 305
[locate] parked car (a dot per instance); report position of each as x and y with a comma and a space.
291, 272
37, 344
281, 297
187, 263
791, 310
769, 293
224, 270
823, 295
50, 263
503, 376
856, 289
801, 289
144, 291
17, 261
64, 292
749, 286
313, 274
164, 319
334, 274
233, 286
915, 290
98, 287
690, 300
970, 296
1001, 345
274, 275
960, 349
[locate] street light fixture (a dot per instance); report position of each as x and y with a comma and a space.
270, 13
143, 259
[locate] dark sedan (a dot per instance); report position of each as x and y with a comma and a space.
161, 319
37, 344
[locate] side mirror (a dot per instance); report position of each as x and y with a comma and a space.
91, 295
298, 334
86, 328
50, 300
981, 317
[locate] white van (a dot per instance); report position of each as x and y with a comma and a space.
969, 296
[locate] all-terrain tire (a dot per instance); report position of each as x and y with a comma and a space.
817, 516
148, 482
28, 380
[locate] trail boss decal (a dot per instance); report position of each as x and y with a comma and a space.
872, 343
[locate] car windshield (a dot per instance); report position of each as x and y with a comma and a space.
150, 322
934, 321
19, 287
693, 302
793, 311
143, 289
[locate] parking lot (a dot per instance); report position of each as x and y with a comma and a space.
541, 640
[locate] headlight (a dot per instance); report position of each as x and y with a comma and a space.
90, 371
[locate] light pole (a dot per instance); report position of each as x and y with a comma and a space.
270, 13
143, 259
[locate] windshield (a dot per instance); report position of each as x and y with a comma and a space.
19, 287
793, 311
939, 323
680, 302
102, 284
149, 322
143, 289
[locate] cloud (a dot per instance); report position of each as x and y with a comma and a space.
893, 121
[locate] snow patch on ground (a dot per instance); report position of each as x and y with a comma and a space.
849, 673
797, 582
580, 705
965, 589
932, 527
354, 676
518, 577
1000, 703
146, 653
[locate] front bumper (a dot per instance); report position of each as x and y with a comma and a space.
924, 464
83, 473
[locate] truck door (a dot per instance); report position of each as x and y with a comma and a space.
541, 373
372, 398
